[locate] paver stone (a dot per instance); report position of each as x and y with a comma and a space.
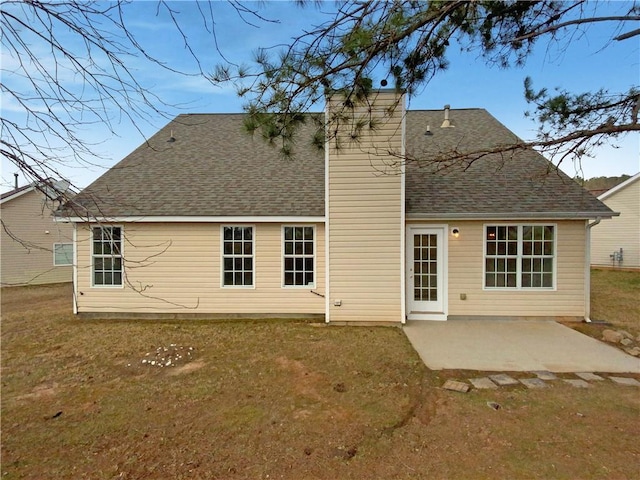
578, 383
482, 383
503, 379
625, 381
456, 386
533, 383
589, 376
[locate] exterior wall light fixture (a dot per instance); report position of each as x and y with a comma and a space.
455, 231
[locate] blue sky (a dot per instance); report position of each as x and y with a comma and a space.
579, 64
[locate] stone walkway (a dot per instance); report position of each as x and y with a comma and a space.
542, 379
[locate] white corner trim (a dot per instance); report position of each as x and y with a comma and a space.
327, 226
75, 269
587, 269
403, 222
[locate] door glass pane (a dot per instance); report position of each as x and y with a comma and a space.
425, 266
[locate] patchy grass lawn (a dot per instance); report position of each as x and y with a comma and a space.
278, 399
615, 299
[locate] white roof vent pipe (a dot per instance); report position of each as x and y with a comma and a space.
447, 122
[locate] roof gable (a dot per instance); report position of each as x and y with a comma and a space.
16, 192
620, 186
50, 188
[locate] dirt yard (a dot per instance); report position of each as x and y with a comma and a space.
278, 400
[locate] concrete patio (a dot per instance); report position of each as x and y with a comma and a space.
514, 346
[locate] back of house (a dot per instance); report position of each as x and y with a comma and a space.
400, 215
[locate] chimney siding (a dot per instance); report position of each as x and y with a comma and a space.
365, 204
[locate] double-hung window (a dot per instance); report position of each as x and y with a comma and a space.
237, 256
519, 256
299, 256
106, 255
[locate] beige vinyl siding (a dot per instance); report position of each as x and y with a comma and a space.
365, 218
465, 268
619, 232
27, 250
175, 268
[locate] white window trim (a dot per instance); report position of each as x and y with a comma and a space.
93, 285
253, 256
315, 256
54, 255
519, 287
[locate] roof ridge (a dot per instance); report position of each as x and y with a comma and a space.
220, 114
442, 109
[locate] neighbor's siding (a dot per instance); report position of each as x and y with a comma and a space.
619, 232
27, 252
176, 269
465, 263
364, 214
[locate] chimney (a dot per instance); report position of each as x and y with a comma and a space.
15, 180
447, 122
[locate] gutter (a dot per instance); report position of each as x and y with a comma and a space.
509, 216
193, 219
587, 270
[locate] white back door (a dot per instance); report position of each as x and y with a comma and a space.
426, 275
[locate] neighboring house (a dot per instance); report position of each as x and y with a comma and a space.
616, 242
35, 249
205, 220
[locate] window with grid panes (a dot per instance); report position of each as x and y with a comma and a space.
106, 253
62, 254
237, 256
537, 256
299, 256
519, 256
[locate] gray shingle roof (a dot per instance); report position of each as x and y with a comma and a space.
11, 193
522, 183
214, 168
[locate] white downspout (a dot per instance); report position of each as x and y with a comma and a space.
587, 270
75, 268
327, 222
403, 219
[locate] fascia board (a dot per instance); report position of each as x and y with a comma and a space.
511, 215
194, 219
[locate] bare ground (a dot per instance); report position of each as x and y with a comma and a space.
278, 399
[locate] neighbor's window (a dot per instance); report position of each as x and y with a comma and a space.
519, 256
237, 256
299, 254
62, 254
107, 256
